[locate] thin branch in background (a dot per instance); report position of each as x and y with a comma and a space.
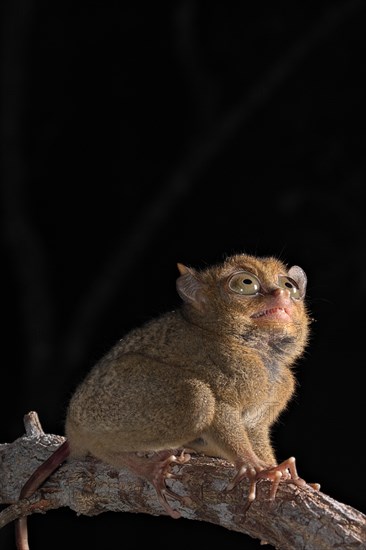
203, 88
26, 252
201, 152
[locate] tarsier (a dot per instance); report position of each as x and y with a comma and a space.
210, 377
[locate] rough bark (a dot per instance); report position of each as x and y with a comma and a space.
299, 518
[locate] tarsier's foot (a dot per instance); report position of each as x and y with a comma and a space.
155, 468
286, 471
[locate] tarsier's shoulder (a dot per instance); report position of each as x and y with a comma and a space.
155, 334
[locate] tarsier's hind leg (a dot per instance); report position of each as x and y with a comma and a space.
155, 467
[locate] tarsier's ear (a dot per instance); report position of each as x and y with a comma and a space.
190, 288
298, 275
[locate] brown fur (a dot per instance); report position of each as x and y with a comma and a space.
207, 377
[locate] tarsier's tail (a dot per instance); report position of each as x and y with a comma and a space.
38, 477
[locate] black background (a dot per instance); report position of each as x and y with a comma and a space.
137, 136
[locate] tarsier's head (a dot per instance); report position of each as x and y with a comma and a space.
247, 295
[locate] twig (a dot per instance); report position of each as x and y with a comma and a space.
24, 245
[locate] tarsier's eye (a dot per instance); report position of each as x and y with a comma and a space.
244, 283
289, 284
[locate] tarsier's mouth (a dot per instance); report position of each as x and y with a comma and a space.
275, 313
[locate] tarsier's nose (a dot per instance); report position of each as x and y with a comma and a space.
279, 297
283, 292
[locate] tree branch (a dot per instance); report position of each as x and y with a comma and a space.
298, 518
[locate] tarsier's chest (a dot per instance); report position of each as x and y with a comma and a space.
245, 381
263, 397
